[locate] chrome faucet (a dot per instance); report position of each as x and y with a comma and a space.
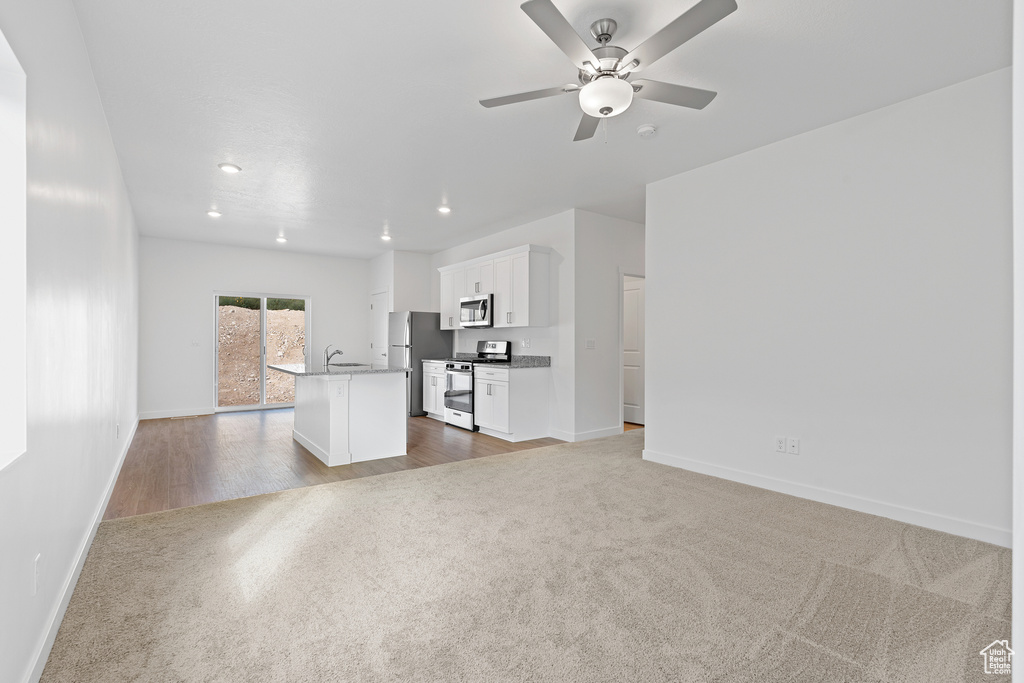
332, 354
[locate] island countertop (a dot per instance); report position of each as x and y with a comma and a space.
302, 370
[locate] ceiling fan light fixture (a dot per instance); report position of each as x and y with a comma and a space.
606, 96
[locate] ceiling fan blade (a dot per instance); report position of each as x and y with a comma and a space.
560, 31
691, 22
670, 93
526, 96
588, 126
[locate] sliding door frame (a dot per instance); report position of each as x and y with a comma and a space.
262, 405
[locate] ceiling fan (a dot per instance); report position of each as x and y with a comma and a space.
604, 90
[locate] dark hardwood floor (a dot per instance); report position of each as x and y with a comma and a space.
174, 463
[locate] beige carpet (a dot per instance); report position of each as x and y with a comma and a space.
577, 562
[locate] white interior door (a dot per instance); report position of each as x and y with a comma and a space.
633, 350
379, 326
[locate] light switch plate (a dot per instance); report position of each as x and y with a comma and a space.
591, 344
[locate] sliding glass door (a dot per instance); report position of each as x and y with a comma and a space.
286, 345
253, 331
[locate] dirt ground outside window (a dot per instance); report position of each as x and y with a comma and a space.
238, 366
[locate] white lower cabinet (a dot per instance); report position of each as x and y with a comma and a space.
433, 389
511, 404
490, 407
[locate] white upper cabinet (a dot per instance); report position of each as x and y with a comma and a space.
453, 288
521, 292
480, 278
518, 278
448, 301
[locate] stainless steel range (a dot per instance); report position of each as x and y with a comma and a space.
458, 394
458, 387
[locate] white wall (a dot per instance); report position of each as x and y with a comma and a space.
556, 340
13, 256
1018, 321
606, 248
82, 331
176, 288
412, 277
850, 286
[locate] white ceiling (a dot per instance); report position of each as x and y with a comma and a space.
344, 115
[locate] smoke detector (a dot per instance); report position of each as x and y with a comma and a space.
646, 130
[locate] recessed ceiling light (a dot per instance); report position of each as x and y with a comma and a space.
213, 213
229, 168
444, 209
282, 239
386, 238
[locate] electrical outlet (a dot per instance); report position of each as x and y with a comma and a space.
793, 446
37, 575
780, 444
526, 343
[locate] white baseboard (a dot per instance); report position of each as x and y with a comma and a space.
585, 436
598, 433
562, 436
160, 414
930, 520
57, 616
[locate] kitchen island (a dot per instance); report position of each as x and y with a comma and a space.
349, 413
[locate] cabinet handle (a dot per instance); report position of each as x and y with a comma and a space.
384, 354
450, 323
489, 389
508, 317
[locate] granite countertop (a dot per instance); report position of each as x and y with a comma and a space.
517, 361
301, 370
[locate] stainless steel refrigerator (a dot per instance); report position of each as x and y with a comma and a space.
413, 337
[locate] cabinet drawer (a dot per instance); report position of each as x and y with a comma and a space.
494, 374
433, 368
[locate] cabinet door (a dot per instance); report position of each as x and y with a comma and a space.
499, 406
439, 393
448, 300
453, 288
483, 405
502, 269
429, 394
479, 278
486, 280
519, 310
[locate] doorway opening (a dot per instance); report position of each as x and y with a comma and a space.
379, 310
633, 321
253, 332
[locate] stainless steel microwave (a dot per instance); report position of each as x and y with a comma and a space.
476, 310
